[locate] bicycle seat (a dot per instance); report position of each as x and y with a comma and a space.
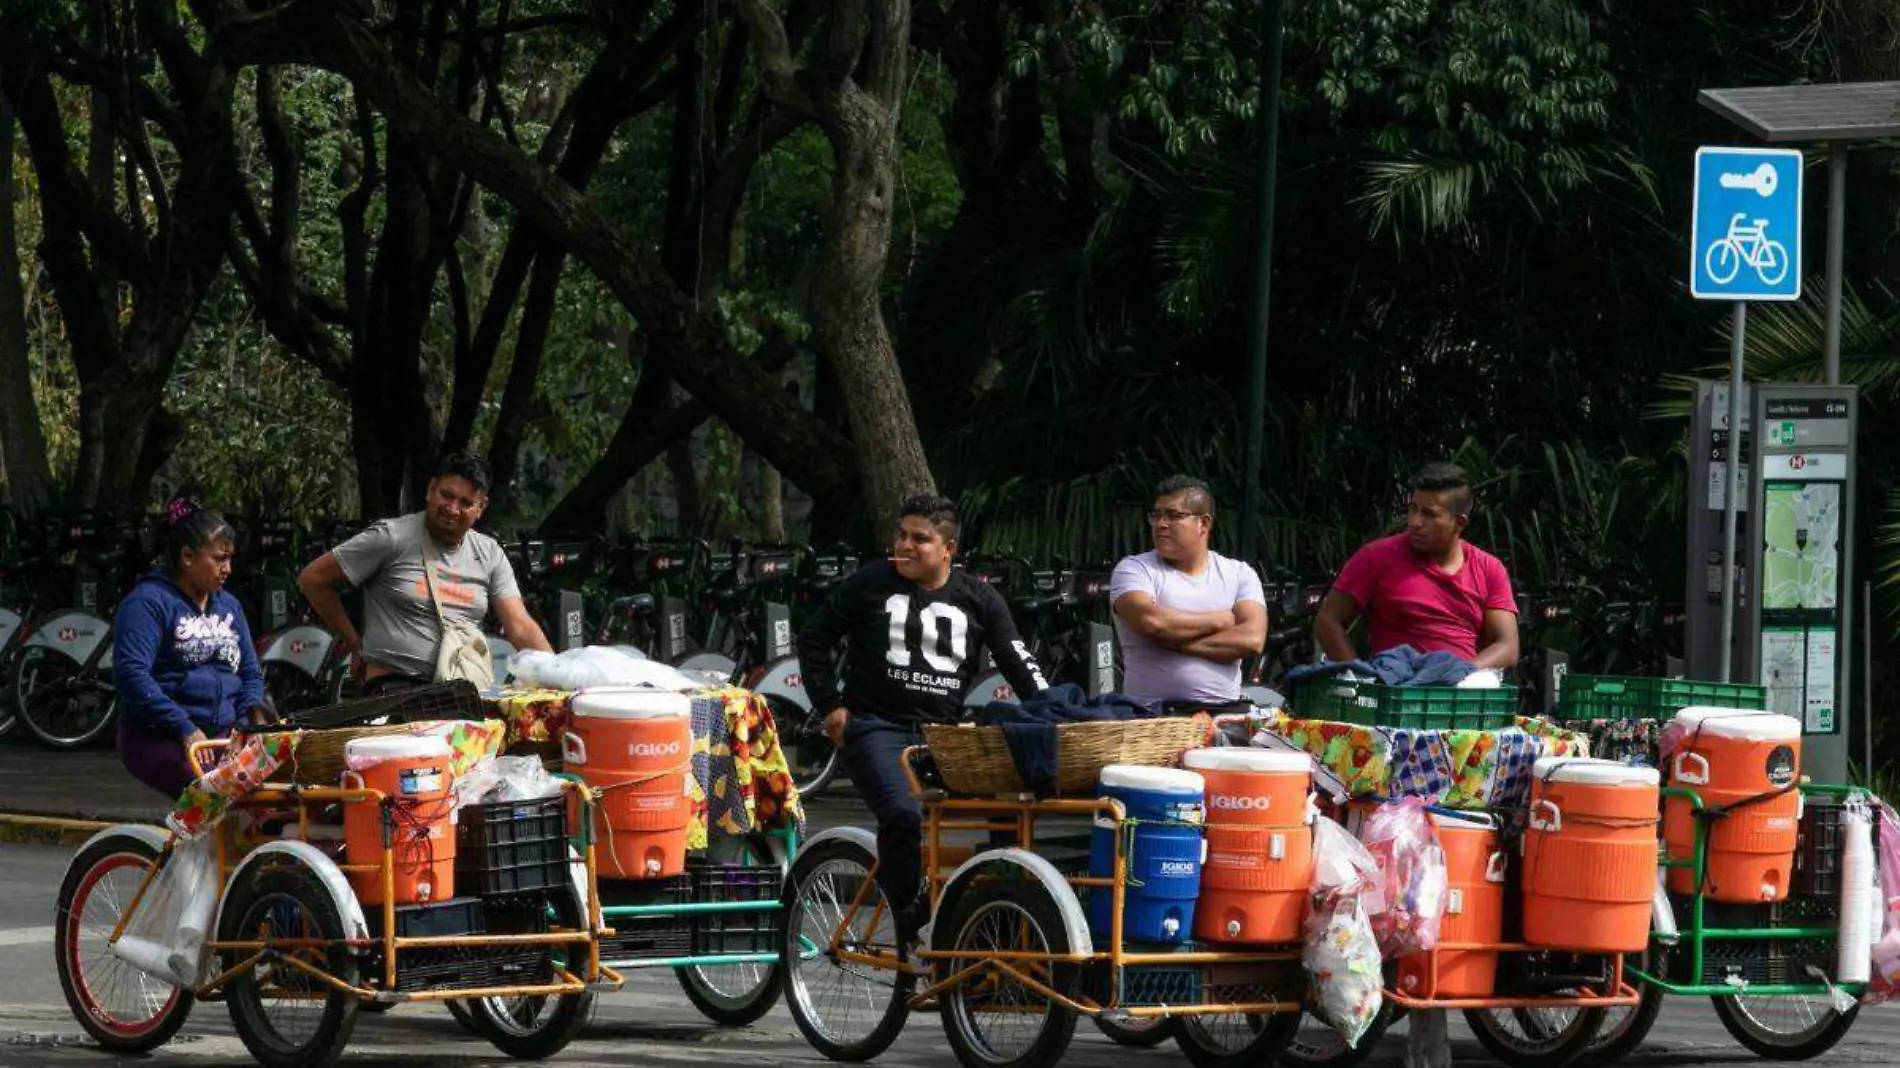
633, 606
1035, 605
727, 600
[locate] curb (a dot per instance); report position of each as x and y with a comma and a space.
46, 830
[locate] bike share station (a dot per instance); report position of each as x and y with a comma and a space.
1771, 592
1770, 534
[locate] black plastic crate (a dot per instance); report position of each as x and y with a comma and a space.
462, 967
749, 931
1147, 984
443, 700
1550, 971
472, 967
439, 919
1818, 848
1727, 962
512, 847
655, 937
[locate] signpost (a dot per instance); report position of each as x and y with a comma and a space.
1745, 245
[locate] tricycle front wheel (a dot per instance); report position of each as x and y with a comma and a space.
122, 1008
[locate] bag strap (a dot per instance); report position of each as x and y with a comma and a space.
428, 577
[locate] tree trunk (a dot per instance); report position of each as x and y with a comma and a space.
517, 400
847, 319
29, 476
855, 89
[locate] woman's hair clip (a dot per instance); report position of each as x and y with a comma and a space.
181, 509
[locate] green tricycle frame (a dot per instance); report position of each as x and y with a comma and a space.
1734, 1003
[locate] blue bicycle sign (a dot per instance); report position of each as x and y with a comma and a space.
1747, 245
1746, 232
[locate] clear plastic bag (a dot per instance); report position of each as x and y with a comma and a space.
508, 778
1885, 984
1340, 952
1402, 841
595, 665
165, 937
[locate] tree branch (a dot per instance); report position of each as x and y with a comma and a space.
772, 52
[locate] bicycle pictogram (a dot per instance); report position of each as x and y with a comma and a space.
1746, 243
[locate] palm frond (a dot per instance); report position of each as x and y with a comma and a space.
1420, 195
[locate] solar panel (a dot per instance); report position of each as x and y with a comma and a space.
1851, 111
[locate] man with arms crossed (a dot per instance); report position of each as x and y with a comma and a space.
911, 626
1426, 586
1186, 615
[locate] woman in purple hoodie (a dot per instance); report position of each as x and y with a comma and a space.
182, 657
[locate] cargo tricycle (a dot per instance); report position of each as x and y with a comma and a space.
1014, 954
315, 922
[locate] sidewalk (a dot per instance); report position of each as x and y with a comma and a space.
61, 798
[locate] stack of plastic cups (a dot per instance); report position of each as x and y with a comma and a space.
1854, 963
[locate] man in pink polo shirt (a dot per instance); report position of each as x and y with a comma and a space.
1425, 587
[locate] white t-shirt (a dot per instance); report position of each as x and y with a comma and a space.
1152, 672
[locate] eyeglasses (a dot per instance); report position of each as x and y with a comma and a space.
1170, 516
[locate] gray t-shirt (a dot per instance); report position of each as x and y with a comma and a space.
1152, 672
400, 630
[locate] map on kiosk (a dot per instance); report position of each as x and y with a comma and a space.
1801, 561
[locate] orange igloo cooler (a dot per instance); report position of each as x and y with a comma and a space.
1474, 913
636, 748
1728, 756
1259, 844
412, 772
1590, 855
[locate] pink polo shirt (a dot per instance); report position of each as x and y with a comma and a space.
1409, 600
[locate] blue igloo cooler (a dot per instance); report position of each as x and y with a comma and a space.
1164, 858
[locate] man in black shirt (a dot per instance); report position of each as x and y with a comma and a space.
912, 625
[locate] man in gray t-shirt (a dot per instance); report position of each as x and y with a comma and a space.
401, 634
1186, 615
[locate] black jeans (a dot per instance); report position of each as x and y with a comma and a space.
873, 756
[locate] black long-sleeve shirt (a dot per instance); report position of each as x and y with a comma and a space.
911, 650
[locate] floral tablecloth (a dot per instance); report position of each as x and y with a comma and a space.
742, 781
1456, 768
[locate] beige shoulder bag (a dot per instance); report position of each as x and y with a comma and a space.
464, 652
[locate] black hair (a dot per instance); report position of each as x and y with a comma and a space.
940, 511
1449, 478
189, 525
464, 465
1195, 494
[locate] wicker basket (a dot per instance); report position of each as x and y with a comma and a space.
976, 760
316, 757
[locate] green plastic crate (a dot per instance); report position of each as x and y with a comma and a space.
1586, 697
1416, 707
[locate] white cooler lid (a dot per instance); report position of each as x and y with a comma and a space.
395, 747
631, 704
1246, 758
1164, 780
1593, 772
1748, 725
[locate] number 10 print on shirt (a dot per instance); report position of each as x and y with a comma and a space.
926, 651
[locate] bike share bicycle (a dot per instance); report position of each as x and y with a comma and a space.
62, 682
303, 665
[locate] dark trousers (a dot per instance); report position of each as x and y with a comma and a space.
155, 759
872, 756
